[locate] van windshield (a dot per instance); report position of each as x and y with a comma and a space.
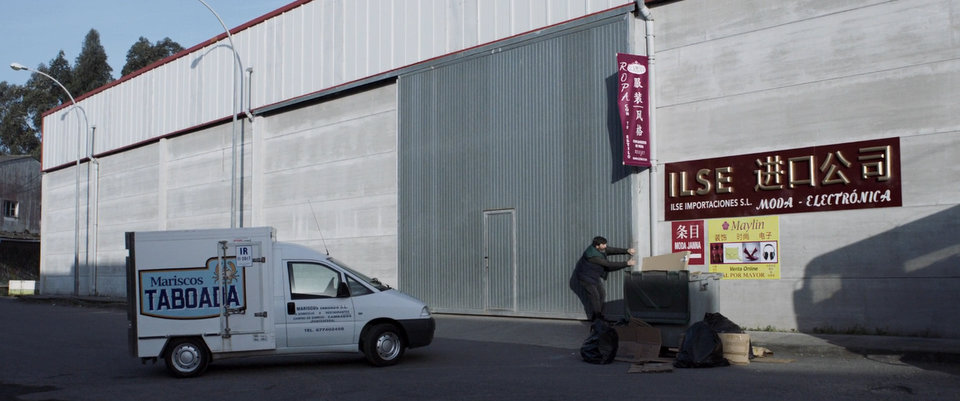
371, 281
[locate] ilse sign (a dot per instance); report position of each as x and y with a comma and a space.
853, 175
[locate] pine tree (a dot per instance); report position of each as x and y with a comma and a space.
138, 56
91, 70
142, 53
61, 71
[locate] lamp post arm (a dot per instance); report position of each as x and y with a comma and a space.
236, 55
237, 104
73, 102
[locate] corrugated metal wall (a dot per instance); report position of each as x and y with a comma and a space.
20, 184
311, 47
530, 128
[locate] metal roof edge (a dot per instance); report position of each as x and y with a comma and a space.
508, 42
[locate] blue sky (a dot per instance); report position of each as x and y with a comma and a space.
34, 31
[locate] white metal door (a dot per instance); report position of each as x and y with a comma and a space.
500, 260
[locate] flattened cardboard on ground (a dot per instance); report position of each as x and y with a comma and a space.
773, 360
761, 352
651, 367
638, 342
668, 262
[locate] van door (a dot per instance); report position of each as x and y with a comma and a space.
243, 274
315, 315
239, 275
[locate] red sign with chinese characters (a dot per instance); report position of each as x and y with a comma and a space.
689, 236
854, 175
632, 100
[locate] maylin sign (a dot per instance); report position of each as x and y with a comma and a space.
853, 175
633, 100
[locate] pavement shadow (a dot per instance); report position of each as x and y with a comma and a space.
901, 282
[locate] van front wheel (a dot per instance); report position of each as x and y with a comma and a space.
383, 345
186, 357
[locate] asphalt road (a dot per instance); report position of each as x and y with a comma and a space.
67, 352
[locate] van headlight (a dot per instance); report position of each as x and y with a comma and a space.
425, 312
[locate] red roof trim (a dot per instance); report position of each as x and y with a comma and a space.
144, 142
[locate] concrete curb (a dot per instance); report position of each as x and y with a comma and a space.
907, 348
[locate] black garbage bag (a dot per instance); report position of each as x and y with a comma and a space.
721, 324
601, 346
701, 348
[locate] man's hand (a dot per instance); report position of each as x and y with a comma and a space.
632, 251
631, 262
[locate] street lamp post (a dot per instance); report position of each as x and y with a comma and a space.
236, 106
76, 224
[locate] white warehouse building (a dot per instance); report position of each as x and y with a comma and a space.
466, 152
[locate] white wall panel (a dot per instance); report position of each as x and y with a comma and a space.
315, 46
57, 225
750, 76
332, 166
839, 43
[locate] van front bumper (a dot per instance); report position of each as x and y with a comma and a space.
419, 331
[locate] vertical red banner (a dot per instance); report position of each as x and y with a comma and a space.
632, 101
689, 236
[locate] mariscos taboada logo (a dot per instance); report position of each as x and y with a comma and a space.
192, 293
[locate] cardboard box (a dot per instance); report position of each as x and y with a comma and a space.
736, 347
668, 262
638, 342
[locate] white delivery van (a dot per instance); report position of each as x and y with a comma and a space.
200, 295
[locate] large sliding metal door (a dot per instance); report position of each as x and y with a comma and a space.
509, 165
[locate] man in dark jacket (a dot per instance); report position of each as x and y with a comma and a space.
592, 269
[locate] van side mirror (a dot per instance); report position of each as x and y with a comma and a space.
343, 291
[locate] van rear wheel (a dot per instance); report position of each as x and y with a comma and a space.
383, 345
186, 357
